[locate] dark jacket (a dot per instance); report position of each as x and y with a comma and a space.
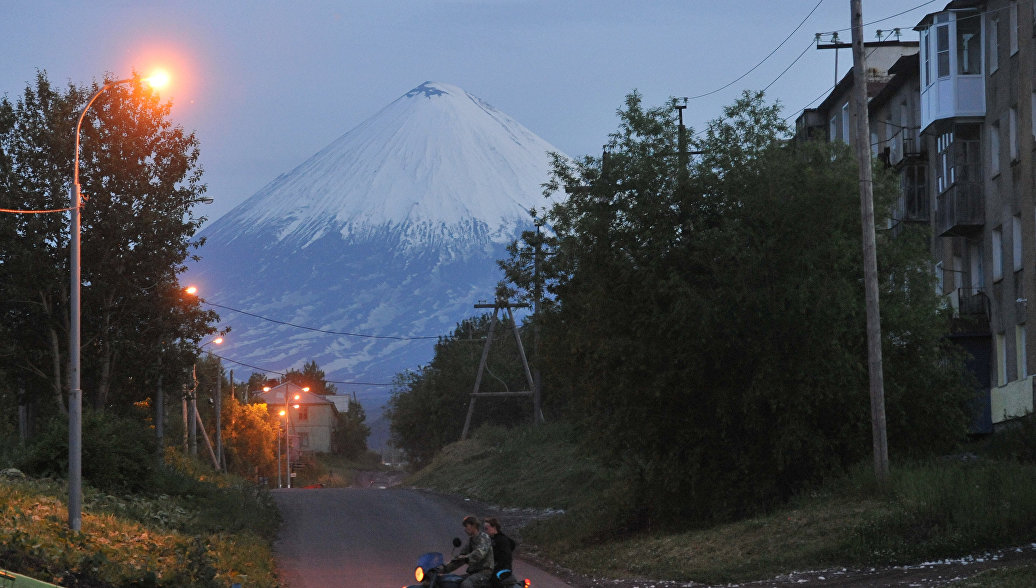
503, 547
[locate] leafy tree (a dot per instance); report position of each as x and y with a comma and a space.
428, 407
350, 435
141, 181
708, 323
312, 377
250, 438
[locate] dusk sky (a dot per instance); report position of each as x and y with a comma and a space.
267, 84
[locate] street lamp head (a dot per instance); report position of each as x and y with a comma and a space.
157, 80
218, 340
192, 290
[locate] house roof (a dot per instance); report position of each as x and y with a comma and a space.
289, 390
905, 69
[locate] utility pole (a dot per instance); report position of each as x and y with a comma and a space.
537, 377
506, 305
220, 466
682, 176
870, 264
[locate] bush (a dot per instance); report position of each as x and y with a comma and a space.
118, 454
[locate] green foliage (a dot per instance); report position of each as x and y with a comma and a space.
950, 508
428, 407
203, 534
350, 435
542, 466
312, 377
709, 326
141, 181
118, 453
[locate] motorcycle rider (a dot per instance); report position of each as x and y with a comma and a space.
478, 554
503, 546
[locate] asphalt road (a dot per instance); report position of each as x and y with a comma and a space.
367, 537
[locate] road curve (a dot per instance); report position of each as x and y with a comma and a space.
367, 537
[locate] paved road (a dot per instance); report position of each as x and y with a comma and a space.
366, 537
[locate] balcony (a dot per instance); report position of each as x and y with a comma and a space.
960, 210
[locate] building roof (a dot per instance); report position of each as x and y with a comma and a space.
276, 395
905, 69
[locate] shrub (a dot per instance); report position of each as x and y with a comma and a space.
118, 454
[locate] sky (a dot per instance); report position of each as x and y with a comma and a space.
266, 84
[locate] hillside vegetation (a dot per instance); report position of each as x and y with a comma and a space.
203, 531
933, 509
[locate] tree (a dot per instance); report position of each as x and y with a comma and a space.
711, 332
140, 178
350, 436
428, 407
312, 377
250, 433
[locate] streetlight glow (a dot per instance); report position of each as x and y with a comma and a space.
192, 290
158, 80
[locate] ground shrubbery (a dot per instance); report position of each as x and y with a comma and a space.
146, 521
119, 453
981, 500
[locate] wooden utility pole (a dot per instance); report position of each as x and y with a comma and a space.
497, 306
870, 263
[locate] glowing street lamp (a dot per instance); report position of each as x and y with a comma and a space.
75, 393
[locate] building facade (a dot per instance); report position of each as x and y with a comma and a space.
310, 418
954, 119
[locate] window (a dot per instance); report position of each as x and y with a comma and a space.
940, 279
969, 44
832, 129
926, 78
998, 254
1016, 241
1013, 32
994, 45
1012, 132
303, 413
942, 51
303, 439
994, 148
958, 272
942, 165
1032, 112
1001, 359
914, 188
845, 122
978, 276
1019, 351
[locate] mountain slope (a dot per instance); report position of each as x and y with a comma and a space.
391, 233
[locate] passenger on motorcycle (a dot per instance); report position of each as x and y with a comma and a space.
503, 546
478, 554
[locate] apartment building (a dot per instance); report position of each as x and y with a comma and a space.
955, 120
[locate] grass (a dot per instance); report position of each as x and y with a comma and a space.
933, 509
207, 537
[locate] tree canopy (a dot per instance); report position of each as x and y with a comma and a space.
707, 325
141, 183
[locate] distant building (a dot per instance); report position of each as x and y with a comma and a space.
311, 418
951, 119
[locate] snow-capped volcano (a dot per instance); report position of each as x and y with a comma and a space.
431, 166
387, 236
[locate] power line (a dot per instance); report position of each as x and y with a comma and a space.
317, 330
280, 373
756, 66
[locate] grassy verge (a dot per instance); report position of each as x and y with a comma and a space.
207, 533
936, 509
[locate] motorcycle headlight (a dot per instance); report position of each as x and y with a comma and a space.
419, 574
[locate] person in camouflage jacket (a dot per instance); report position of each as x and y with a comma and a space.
478, 554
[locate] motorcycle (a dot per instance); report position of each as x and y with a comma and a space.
431, 573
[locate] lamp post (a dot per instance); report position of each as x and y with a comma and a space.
75, 391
